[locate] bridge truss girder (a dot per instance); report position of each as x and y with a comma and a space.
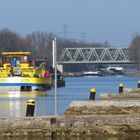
95, 55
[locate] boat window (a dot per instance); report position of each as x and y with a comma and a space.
23, 58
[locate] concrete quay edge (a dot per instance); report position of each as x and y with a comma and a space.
89, 125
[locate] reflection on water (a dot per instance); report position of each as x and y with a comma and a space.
13, 104
18, 94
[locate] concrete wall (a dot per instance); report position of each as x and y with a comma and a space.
104, 107
107, 125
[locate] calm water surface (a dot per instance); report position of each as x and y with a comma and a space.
13, 104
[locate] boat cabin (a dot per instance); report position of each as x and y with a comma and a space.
15, 59
16, 64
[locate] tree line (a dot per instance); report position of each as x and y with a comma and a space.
39, 43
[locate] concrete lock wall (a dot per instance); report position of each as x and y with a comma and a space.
121, 96
70, 126
104, 107
127, 94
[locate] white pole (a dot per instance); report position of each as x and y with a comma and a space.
53, 44
55, 74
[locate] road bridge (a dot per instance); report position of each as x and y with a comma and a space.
95, 56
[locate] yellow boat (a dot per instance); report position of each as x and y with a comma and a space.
17, 74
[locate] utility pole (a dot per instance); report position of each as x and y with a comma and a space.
84, 36
65, 30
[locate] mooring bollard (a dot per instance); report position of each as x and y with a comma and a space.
92, 94
30, 108
121, 86
138, 84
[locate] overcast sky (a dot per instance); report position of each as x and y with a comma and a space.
115, 21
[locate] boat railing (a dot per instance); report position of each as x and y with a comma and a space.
30, 72
23, 69
19, 71
5, 71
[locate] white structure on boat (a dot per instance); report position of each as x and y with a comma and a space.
92, 73
115, 70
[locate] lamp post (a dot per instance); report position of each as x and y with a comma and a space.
55, 74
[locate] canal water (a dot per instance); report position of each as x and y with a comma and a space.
13, 104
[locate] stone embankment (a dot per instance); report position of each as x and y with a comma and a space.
116, 115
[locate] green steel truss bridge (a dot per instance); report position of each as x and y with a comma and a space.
96, 56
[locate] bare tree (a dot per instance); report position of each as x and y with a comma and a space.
134, 49
41, 44
10, 41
